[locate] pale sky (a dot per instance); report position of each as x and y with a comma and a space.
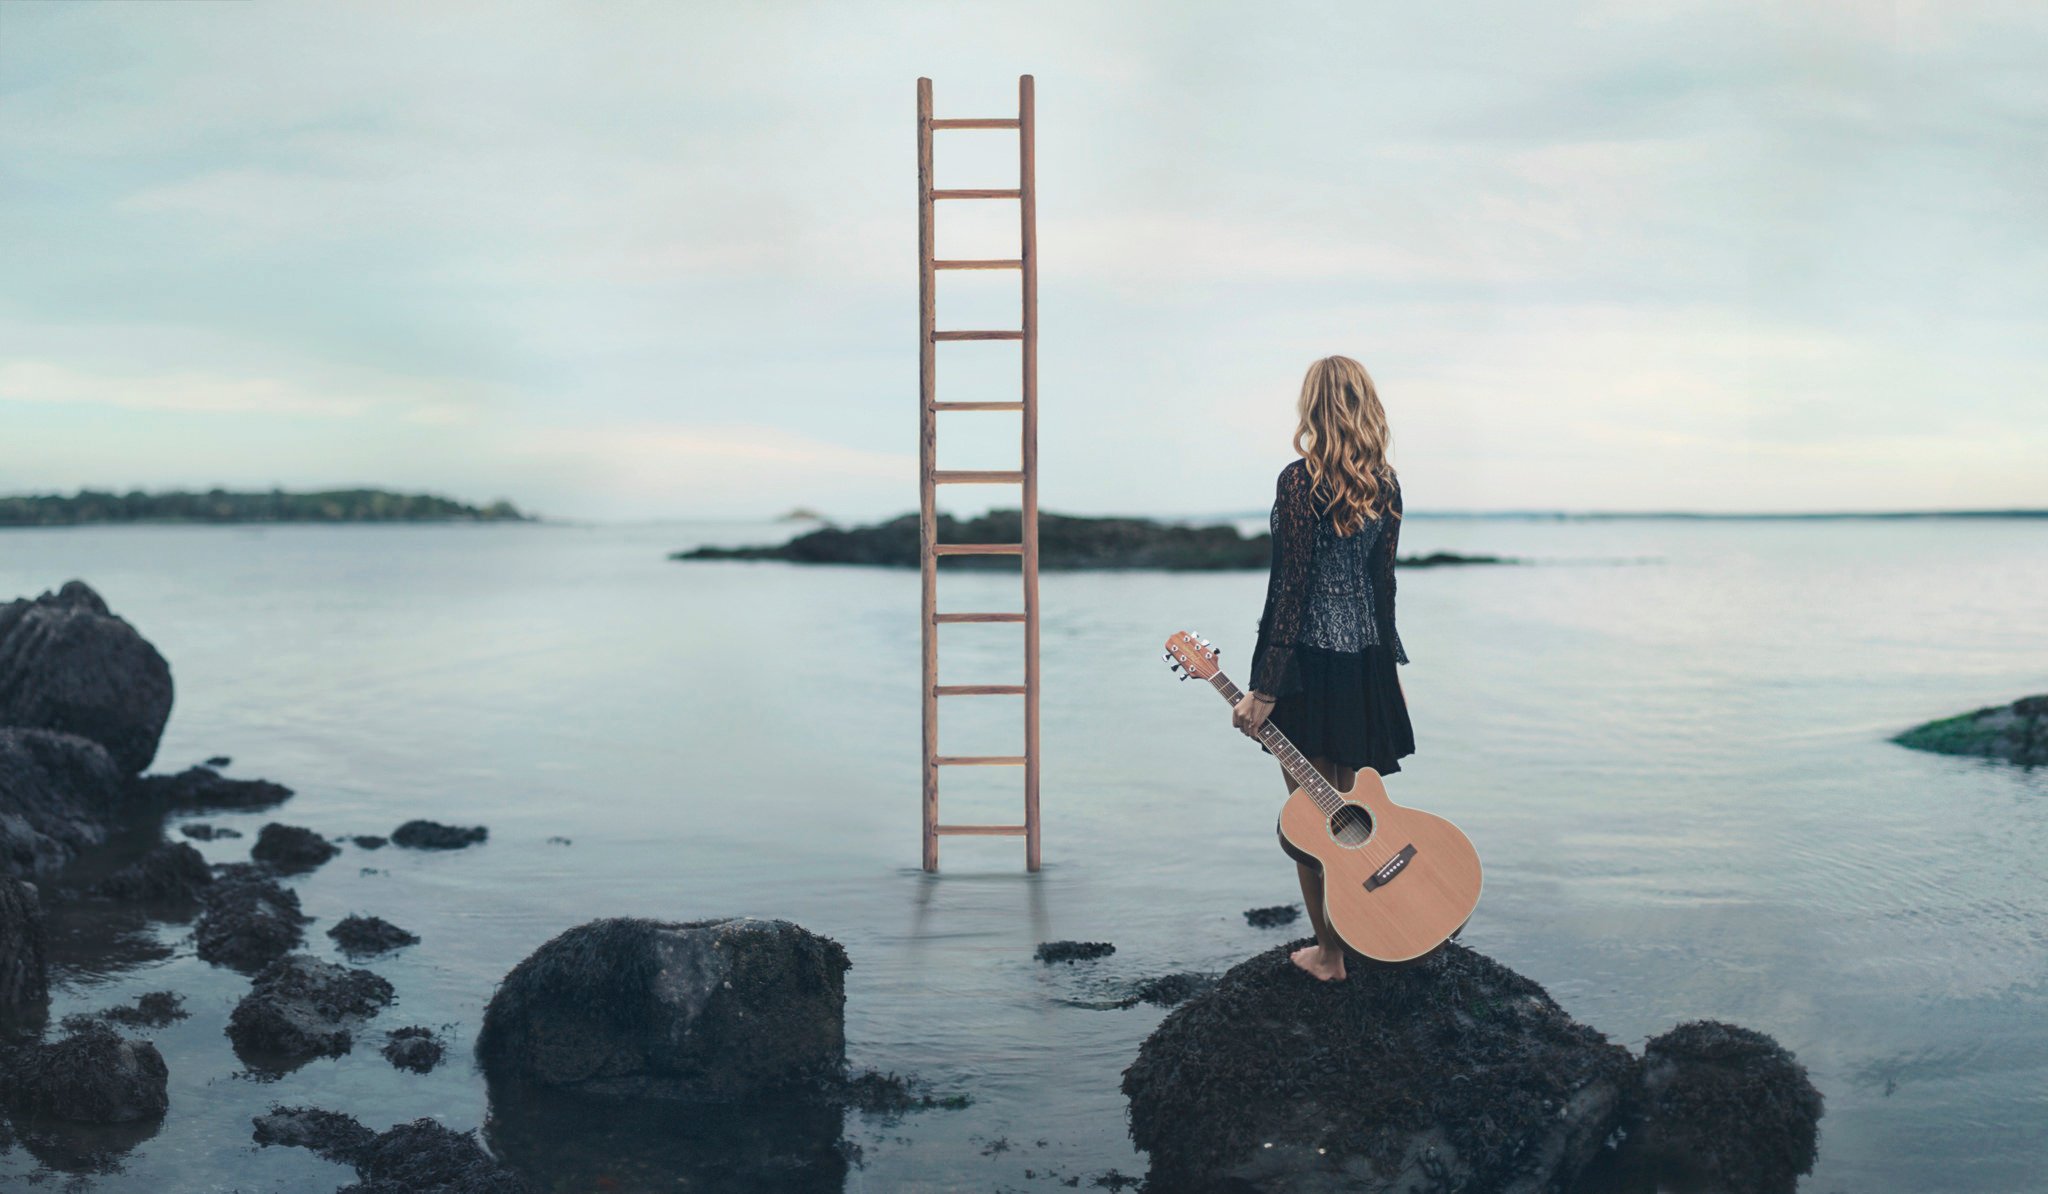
659, 260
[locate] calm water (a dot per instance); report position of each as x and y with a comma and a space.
1668, 742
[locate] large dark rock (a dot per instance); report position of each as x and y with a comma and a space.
59, 793
250, 920
703, 1011
1453, 1073
362, 936
172, 872
291, 847
432, 835
2017, 733
421, 1157
300, 1007
202, 788
68, 664
94, 1075
1729, 1106
24, 954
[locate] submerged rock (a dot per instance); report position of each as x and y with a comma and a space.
1170, 990
432, 835
421, 1157
58, 795
1273, 917
1730, 1105
198, 789
291, 847
414, 1048
68, 664
1452, 1073
152, 1009
706, 1010
2017, 733
200, 831
24, 954
360, 936
1072, 951
300, 1007
94, 1075
370, 841
170, 872
249, 920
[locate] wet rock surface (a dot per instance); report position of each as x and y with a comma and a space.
414, 1048
291, 848
421, 1157
152, 1009
363, 936
370, 841
1727, 1105
2017, 733
200, 831
58, 795
1453, 1073
1072, 951
249, 919
300, 1007
731, 1009
24, 954
172, 872
92, 1075
1273, 917
67, 663
432, 835
202, 789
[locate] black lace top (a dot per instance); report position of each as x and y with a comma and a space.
1327, 592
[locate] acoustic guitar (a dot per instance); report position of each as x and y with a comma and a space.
1397, 882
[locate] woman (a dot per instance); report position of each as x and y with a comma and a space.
1323, 670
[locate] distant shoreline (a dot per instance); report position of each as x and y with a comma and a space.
225, 507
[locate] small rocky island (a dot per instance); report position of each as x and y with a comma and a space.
1065, 541
2017, 733
219, 505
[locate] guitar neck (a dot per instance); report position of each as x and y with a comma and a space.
1296, 764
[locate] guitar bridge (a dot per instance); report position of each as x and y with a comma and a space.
1394, 866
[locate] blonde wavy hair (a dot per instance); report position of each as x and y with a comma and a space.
1343, 437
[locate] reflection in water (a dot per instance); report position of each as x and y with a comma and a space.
82, 1148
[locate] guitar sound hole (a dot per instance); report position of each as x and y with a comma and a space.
1351, 825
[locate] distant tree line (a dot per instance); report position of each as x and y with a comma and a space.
219, 505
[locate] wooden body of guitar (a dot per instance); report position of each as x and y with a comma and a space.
1401, 892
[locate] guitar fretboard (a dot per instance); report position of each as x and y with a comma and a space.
1299, 769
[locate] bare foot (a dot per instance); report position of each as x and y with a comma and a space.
1327, 965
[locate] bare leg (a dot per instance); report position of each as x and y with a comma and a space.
1324, 959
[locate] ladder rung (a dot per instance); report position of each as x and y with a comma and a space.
996, 335
978, 549
977, 406
976, 122
985, 263
978, 760
978, 193
979, 689
981, 830
977, 617
977, 477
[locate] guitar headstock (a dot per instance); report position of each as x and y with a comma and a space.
1191, 655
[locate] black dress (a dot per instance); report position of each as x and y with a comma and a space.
1327, 647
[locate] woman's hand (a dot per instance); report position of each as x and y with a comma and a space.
1250, 713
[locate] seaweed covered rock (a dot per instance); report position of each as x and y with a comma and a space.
250, 920
1730, 1105
2017, 733
198, 789
24, 954
1452, 1073
171, 872
414, 1047
432, 835
361, 936
1050, 952
421, 1157
94, 1075
291, 847
705, 1010
68, 664
300, 1007
58, 795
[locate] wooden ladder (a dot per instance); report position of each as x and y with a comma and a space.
930, 476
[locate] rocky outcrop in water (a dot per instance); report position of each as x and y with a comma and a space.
300, 1007
93, 1075
362, 936
414, 1047
421, 1157
1064, 542
1454, 1073
171, 872
202, 789
432, 835
291, 848
1726, 1106
24, 954
250, 920
702, 1011
1072, 951
58, 794
2017, 733
68, 664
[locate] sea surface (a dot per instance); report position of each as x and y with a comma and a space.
1666, 737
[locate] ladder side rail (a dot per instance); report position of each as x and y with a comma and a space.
1027, 208
927, 416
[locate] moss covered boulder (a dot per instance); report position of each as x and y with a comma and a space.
1727, 1107
703, 1011
2017, 733
1453, 1073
